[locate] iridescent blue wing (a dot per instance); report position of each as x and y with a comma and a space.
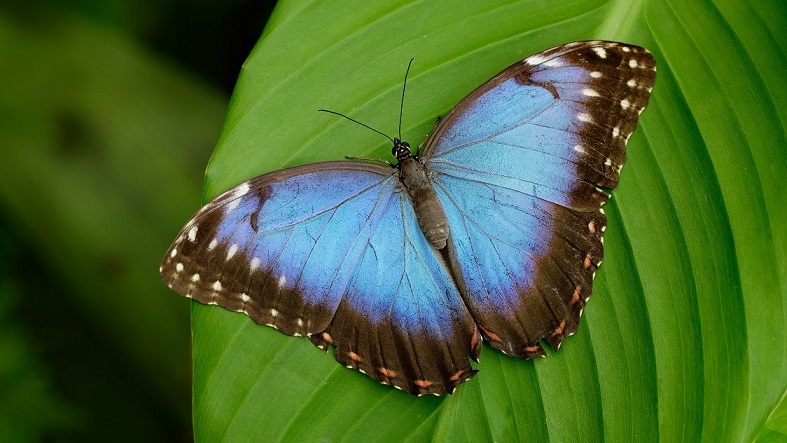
332, 251
518, 166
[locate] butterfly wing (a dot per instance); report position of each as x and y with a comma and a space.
333, 251
402, 320
518, 165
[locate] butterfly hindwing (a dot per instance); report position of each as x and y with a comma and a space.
401, 319
519, 165
332, 250
527, 264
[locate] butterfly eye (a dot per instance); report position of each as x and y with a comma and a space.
400, 150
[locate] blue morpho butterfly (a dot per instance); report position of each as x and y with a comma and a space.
494, 230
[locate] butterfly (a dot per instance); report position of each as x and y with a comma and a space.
492, 233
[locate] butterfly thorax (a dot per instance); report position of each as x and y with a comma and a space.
428, 210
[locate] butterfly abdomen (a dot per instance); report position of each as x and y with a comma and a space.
428, 210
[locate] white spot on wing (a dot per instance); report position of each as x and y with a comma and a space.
236, 195
174, 252
282, 280
589, 92
232, 251
193, 233
584, 117
179, 267
300, 322
601, 52
625, 104
274, 313
608, 162
579, 149
631, 83
245, 298
255, 263
595, 74
535, 60
615, 131
217, 286
625, 49
212, 244
195, 278
554, 63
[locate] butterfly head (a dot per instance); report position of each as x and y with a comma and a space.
401, 150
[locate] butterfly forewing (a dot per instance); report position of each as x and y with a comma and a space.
519, 164
260, 247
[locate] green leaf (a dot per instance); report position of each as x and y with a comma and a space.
775, 429
684, 338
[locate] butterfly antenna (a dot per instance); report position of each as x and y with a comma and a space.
356, 121
404, 87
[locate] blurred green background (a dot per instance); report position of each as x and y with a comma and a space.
108, 113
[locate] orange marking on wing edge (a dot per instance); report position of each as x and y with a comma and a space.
587, 261
387, 372
327, 337
354, 357
492, 336
575, 297
531, 349
458, 374
423, 383
559, 330
592, 227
